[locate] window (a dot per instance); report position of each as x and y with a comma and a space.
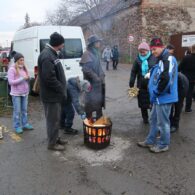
72, 48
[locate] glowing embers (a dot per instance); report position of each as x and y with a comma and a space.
97, 134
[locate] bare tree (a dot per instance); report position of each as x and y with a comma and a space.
60, 16
27, 21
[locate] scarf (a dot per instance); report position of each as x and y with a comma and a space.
145, 66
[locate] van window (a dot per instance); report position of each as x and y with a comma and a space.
72, 48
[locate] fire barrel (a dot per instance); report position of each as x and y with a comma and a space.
97, 135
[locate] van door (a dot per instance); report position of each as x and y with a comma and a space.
71, 56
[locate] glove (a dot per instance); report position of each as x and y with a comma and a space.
147, 76
83, 116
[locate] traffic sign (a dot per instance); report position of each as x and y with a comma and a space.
130, 38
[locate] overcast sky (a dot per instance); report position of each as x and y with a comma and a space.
13, 12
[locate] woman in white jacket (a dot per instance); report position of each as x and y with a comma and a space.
107, 56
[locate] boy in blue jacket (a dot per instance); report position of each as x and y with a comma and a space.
163, 93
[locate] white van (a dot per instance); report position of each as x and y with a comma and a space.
31, 41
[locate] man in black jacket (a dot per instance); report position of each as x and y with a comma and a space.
52, 88
187, 67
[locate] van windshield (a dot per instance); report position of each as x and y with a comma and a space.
72, 48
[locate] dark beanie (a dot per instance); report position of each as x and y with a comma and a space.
17, 56
56, 39
156, 42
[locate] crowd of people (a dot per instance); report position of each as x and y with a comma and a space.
162, 89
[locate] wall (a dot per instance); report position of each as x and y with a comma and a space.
165, 18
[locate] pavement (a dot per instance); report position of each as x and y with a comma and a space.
28, 168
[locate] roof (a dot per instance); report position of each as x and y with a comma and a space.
121, 5
109, 8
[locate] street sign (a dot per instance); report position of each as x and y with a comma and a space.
130, 38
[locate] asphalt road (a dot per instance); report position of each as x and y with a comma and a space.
28, 168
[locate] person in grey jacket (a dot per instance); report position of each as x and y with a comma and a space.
92, 71
52, 89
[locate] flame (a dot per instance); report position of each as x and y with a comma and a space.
94, 132
99, 140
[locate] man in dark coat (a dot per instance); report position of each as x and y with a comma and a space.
52, 89
115, 57
143, 63
187, 67
183, 85
92, 71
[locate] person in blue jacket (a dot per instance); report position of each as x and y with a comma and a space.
76, 92
163, 89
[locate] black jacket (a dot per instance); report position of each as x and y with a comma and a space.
183, 85
187, 67
51, 76
136, 71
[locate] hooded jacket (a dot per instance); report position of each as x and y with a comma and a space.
163, 83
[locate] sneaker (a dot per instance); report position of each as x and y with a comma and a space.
70, 131
188, 110
144, 145
28, 127
56, 147
1, 133
19, 130
61, 141
157, 149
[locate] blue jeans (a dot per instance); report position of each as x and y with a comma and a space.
20, 117
160, 122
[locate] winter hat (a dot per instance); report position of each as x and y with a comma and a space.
85, 86
56, 39
17, 56
144, 46
156, 42
92, 39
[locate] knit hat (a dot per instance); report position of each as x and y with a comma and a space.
156, 42
85, 86
17, 56
144, 46
56, 39
92, 39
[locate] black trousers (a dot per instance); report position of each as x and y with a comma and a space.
107, 65
115, 64
190, 95
176, 112
144, 112
52, 115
